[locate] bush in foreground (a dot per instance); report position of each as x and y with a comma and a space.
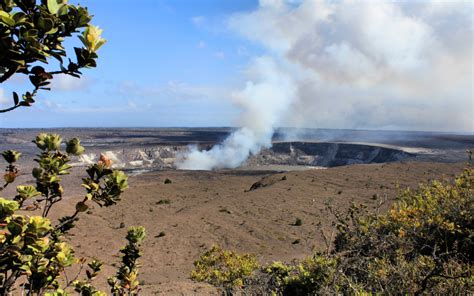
223, 268
34, 255
33, 252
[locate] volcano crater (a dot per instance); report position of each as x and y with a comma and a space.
325, 154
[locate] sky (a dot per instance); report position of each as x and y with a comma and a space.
364, 65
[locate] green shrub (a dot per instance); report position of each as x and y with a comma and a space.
223, 268
303, 278
126, 280
33, 251
163, 202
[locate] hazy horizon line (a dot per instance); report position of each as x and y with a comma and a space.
236, 127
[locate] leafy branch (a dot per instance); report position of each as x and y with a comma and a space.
32, 33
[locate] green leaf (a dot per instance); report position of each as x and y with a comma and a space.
74, 147
63, 10
20, 18
26, 191
81, 207
53, 6
136, 234
16, 226
7, 207
39, 225
19, 62
37, 172
52, 31
25, 104
45, 24
6, 18
48, 142
11, 156
16, 99
99, 44
31, 33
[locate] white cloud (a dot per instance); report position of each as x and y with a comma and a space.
201, 44
132, 104
406, 65
170, 94
3, 98
51, 105
198, 20
219, 55
69, 83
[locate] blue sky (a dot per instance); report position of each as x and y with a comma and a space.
166, 63
391, 65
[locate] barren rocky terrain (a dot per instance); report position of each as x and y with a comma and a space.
199, 209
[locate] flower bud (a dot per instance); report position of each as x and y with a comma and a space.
48, 142
37, 172
74, 147
9, 177
11, 156
104, 161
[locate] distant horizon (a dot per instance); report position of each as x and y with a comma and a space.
237, 127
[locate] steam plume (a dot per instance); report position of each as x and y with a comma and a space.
351, 64
264, 102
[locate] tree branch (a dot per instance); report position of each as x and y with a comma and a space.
9, 109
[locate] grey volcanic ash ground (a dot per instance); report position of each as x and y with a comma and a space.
202, 208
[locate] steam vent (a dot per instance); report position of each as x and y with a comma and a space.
326, 154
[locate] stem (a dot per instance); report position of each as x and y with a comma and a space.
9, 109
71, 218
59, 72
4, 186
18, 105
46, 210
50, 205
9, 282
69, 283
